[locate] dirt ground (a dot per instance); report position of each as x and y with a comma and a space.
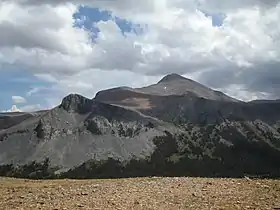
140, 193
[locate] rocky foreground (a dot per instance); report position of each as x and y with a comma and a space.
140, 193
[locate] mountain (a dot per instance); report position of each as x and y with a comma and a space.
174, 84
176, 127
78, 130
170, 85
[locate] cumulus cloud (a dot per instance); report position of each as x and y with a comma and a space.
219, 5
18, 100
31, 108
89, 82
26, 108
12, 109
242, 55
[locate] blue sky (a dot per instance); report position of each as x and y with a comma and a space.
94, 15
217, 18
15, 82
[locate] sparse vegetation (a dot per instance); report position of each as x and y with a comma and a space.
175, 155
33, 170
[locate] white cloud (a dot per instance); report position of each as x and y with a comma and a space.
82, 83
219, 5
18, 100
26, 108
35, 90
178, 38
13, 109
31, 108
243, 93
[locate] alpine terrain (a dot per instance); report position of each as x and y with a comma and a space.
176, 127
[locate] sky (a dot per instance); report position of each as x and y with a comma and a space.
50, 48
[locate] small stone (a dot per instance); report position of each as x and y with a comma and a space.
80, 205
265, 186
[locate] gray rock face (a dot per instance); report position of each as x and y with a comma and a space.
76, 103
78, 130
175, 127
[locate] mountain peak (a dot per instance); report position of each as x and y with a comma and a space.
76, 103
171, 77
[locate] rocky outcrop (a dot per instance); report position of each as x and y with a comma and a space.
76, 103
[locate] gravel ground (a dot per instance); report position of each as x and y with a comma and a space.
140, 193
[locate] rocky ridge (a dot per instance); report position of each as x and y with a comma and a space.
176, 127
